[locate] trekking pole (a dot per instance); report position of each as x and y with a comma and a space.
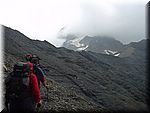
47, 94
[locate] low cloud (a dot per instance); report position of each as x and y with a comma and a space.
124, 22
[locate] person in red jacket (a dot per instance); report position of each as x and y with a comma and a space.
38, 71
34, 86
30, 96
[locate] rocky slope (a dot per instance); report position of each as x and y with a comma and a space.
84, 80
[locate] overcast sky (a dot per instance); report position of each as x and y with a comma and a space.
43, 19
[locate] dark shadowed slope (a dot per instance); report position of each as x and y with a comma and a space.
84, 80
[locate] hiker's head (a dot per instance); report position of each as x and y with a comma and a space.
35, 59
28, 57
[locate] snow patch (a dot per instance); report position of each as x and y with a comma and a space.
82, 48
106, 52
76, 42
114, 53
117, 54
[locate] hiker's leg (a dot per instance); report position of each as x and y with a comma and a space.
14, 107
29, 105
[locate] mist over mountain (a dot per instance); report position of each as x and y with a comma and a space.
103, 44
86, 80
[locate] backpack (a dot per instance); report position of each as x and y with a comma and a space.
18, 85
37, 70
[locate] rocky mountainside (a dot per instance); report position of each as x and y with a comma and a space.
84, 80
101, 44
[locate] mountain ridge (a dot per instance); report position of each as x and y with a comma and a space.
96, 81
101, 44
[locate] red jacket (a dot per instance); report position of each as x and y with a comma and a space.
34, 84
35, 88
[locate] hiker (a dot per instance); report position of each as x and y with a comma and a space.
37, 69
22, 91
28, 57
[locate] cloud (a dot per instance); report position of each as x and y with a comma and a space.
124, 21
42, 19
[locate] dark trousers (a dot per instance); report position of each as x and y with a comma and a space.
23, 106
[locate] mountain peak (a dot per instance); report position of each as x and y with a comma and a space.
103, 44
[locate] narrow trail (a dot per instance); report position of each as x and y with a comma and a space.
59, 98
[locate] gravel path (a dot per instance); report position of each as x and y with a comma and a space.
59, 98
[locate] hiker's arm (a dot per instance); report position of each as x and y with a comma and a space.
43, 79
44, 82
